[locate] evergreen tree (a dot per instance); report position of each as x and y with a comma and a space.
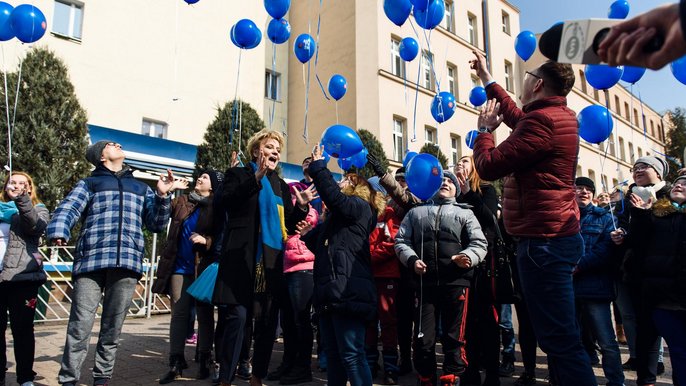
49, 137
434, 150
676, 142
374, 148
215, 151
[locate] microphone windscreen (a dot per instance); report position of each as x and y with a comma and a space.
549, 42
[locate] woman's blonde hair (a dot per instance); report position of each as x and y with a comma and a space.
33, 195
256, 140
474, 179
360, 187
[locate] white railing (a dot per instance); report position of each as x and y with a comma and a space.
54, 297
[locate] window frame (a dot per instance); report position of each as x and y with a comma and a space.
72, 22
397, 63
398, 153
269, 76
505, 19
155, 123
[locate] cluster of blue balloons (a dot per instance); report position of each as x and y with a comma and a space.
25, 22
424, 175
278, 29
338, 86
443, 106
427, 13
245, 34
477, 96
595, 124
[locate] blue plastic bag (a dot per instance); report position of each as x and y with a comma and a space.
203, 287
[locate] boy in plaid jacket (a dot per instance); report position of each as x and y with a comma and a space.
113, 207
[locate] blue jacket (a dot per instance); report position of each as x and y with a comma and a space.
114, 208
594, 277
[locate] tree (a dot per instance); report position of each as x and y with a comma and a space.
215, 151
49, 136
434, 150
676, 142
374, 148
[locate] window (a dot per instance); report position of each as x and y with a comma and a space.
67, 19
153, 128
603, 180
397, 63
452, 75
475, 81
632, 157
618, 107
591, 175
582, 80
640, 153
622, 152
636, 117
455, 148
506, 22
661, 131
578, 170
611, 144
449, 19
509, 79
626, 111
472, 36
272, 85
615, 182
398, 138
427, 74
430, 135
652, 129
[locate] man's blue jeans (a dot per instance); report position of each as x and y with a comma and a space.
599, 318
507, 332
343, 338
545, 268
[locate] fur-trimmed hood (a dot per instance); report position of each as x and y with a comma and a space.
664, 207
363, 191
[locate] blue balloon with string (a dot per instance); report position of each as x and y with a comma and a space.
525, 44
678, 68
341, 141
424, 176
432, 16
408, 157
477, 96
304, 47
6, 32
632, 74
409, 48
397, 11
191, 1
278, 31
277, 8
420, 5
470, 139
443, 106
618, 10
326, 157
602, 76
337, 86
28, 23
245, 33
345, 163
595, 124
360, 159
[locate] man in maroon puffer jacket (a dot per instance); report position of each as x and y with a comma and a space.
539, 161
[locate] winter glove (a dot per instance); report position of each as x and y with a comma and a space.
376, 165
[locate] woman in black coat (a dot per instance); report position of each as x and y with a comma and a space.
260, 214
345, 293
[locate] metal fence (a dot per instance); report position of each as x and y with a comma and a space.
54, 297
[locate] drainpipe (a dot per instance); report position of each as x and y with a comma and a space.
487, 37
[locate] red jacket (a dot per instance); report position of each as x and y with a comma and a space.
385, 263
539, 159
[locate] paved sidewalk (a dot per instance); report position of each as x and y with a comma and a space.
142, 358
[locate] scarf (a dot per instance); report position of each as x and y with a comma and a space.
272, 234
648, 192
7, 210
198, 199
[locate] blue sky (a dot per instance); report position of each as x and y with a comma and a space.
659, 89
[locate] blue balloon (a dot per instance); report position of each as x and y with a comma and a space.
443, 106
409, 48
337, 86
632, 74
420, 5
191, 1
244, 34
408, 157
602, 76
470, 139
304, 47
326, 156
277, 8
257, 39
432, 16
28, 23
525, 44
360, 159
618, 10
341, 141
477, 96
278, 31
345, 163
595, 124
397, 11
6, 32
678, 68
424, 176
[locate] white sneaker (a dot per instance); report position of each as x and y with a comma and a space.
29, 383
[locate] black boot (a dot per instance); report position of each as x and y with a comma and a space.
176, 366
205, 363
297, 375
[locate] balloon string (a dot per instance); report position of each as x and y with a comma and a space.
316, 54
16, 102
273, 95
416, 97
235, 99
336, 112
603, 157
307, 101
643, 118
7, 112
176, 56
631, 108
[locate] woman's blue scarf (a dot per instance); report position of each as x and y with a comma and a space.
7, 210
272, 220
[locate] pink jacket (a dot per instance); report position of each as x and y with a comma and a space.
296, 256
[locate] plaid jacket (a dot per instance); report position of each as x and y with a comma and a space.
114, 207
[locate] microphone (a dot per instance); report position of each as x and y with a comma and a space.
577, 41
